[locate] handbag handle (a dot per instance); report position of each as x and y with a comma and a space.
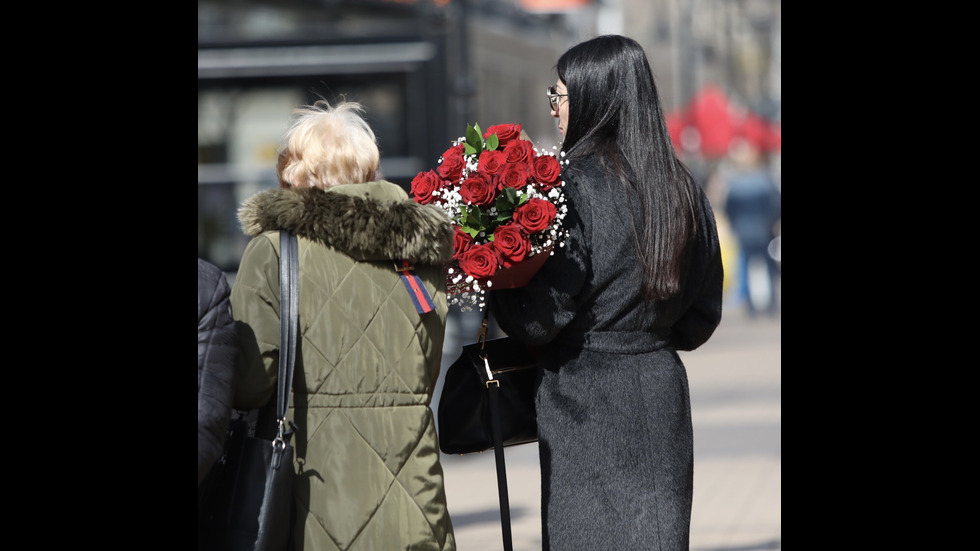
288, 316
493, 389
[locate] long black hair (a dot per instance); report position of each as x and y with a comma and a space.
615, 114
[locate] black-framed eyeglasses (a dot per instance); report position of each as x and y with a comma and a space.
553, 97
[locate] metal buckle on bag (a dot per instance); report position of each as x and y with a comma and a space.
278, 445
486, 365
481, 336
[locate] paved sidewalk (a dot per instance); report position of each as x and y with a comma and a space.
736, 409
735, 395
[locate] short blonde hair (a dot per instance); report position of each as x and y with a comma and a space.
327, 146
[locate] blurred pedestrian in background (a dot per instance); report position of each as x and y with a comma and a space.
217, 353
753, 207
639, 278
368, 466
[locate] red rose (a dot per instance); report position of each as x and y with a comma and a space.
492, 162
461, 242
546, 171
512, 244
535, 215
519, 151
505, 133
477, 189
424, 184
515, 175
452, 164
480, 261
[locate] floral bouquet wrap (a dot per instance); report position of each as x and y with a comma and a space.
505, 199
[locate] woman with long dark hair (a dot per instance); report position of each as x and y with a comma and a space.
638, 278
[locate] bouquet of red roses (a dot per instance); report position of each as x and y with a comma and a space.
505, 199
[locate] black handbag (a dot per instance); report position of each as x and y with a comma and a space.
465, 420
487, 401
251, 492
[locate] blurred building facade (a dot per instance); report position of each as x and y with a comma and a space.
424, 69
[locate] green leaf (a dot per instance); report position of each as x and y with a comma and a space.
474, 140
509, 199
492, 142
473, 220
505, 204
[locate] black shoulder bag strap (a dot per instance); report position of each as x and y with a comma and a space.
493, 389
288, 316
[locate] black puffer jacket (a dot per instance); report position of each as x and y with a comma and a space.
217, 353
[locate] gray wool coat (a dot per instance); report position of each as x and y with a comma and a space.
613, 404
369, 475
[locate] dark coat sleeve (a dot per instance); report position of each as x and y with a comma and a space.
217, 355
537, 312
703, 289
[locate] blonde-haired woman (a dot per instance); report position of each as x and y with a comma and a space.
367, 459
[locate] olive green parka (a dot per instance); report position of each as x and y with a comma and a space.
369, 476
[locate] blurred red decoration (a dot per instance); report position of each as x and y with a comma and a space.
774, 137
555, 6
717, 121
754, 129
708, 112
675, 123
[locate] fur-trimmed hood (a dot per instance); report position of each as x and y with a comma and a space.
369, 221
